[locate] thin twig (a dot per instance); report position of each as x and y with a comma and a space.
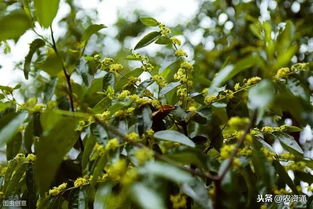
67, 76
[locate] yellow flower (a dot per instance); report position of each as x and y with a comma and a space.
112, 144
253, 80
178, 201
143, 155
181, 53
236, 162
210, 99
116, 68
282, 73
150, 132
99, 149
237, 86
57, 190
80, 182
238, 123
124, 94
192, 109
103, 116
175, 41
130, 176
268, 154
159, 80
31, 157
186, 65
287, 156
133, 137
117, 169
182, 92
107, 61
226, 151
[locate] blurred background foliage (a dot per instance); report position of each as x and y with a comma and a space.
232, 45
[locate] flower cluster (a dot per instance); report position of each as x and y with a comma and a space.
164, 30
112, 144
268, 154
285, 72
179, 201
226, 151
159, 80
81, 181
146, 65
57, 190
286, 156
32, 106
133, 137
143, 154
269, 129
238, 123
117, 170
181, 53
296, 166
109, 65
228, 93
175, 41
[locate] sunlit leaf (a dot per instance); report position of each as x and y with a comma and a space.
51, 149
149, 21
14, 25
46, 11
36, 44
174, 136
148, 39
10, 126
146, 197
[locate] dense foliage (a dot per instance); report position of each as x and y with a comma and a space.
193, 125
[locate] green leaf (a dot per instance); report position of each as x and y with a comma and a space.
56, 141
174, 136
46, 11
10, 127
4, 106
13, 185
289, 144
285, 38
146, 197
36, 44
51, 65
78, 199
230, 71
261, 95
284, 175
171, 86
304, 176
14, 25
92, 29
163, 40
108, 80
124, 79
149, 21
293, 129
170, 70
147, 118
172, 173
148, 39
89, 143
14, 146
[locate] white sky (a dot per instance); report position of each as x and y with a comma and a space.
169, 12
